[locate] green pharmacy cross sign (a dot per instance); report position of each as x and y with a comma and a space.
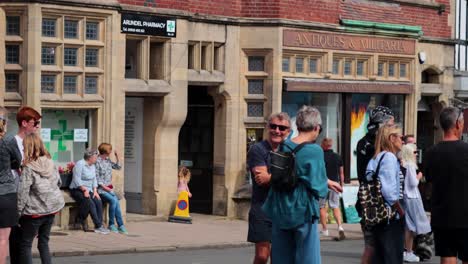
60, 135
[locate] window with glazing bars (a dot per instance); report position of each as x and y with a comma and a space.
360, 68
313, 66
12, 54
71, 29
256, 63
48, 83
380, 69
347, 67
255, 109
13, 25
92, 57
12, 82
48, 55
92, 30
336, 66
48, 27
391, 70
285, 64
69, 84
70, 56
402, 70
91, 85
255, 86
299, 64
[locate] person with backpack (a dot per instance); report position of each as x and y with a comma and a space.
384, 172
293, 206
258, 161
365, 150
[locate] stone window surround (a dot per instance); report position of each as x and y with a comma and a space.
205, 55
397, 62
80, 70
325, 65
320, 57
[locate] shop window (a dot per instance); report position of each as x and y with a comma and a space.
92, 30
91, 85
157, 61
66, 133
360, 68
69, 84
48, 27
13, 25
285, 64
12, 82
92, 57
70, 56
313, 66
48, 83
71, 29
336, 66
256, 63
254, 135
380, 69
299, 65
48, 56
254, 109
255, 86
12, 54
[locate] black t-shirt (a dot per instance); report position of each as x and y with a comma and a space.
333, 162
447, 169
259, 155
364, 152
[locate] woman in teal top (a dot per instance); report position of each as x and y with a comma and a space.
295, 214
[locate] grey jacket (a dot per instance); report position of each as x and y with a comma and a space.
10, 159
39, 192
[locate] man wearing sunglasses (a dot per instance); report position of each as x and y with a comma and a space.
258, 160
28, 121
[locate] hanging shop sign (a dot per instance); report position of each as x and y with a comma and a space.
148, 25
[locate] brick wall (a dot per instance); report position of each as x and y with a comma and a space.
323, 11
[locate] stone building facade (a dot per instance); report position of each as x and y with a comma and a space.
192, 82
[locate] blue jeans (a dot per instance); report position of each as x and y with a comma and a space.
296, 246
114, 208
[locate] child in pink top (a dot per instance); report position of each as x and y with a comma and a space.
184, 178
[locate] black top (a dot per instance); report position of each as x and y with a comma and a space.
10, 158
333, 162
447, 169
259, 155
364, 152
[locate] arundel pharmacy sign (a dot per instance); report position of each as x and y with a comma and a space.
148, 25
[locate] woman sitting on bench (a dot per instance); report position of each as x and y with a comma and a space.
83, 189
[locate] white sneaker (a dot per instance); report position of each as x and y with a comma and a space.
410, 257
324, 233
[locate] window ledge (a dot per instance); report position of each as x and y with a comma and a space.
93, 97
255, 97
256, 74
14, 38
73, 69
94, 43
255, 120
73, 41
13, 96
47, 40
50, 68
93, 70
13, 67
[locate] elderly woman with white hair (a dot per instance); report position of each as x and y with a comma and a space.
416, 219
295, 213
83, 189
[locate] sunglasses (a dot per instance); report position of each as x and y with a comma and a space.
36, 123
320, 130
415, 152
3, 120
280, 127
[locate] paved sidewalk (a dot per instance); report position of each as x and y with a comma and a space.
149, 234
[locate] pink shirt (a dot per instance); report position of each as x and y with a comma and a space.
182, 186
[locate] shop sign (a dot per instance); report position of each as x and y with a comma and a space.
80, 135
321, 40
46, 134
148, 25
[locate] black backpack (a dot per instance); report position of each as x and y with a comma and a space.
283, 168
